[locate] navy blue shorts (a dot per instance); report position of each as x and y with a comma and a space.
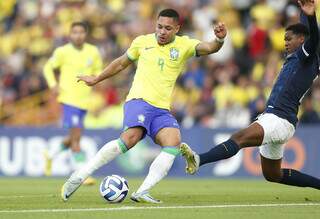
72, 116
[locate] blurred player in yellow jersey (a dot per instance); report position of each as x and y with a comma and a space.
67, 62
160, 58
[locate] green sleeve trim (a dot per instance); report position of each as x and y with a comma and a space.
122, 146
171, 150
195, 54
130, 57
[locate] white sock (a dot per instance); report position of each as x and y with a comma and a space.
106, 154
158, 170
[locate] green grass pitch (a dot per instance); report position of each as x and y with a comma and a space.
182, 198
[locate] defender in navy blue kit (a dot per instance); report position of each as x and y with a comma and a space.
277, 124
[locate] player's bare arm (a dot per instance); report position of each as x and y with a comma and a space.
55, 89
206, 48
307, 6
112, 69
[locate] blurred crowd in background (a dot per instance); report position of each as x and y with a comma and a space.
227, 89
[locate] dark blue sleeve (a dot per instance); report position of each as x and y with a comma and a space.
309, 47
304, 19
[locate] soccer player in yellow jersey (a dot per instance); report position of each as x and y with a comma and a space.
61, 70
160, 58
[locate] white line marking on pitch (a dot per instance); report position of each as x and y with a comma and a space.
25, 196
126, 208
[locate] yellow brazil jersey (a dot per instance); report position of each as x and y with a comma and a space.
72, 62
158, 67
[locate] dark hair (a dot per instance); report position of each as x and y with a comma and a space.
81, 24
169, 13
298, 29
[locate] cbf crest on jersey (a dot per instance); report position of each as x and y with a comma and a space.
174, 54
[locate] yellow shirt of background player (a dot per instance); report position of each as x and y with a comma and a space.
73, 62
158, 67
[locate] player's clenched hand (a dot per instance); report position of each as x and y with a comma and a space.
220, 30
89, 80
307, 6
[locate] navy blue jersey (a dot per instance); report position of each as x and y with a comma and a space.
298, 72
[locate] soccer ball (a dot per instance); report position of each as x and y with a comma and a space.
114, 188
